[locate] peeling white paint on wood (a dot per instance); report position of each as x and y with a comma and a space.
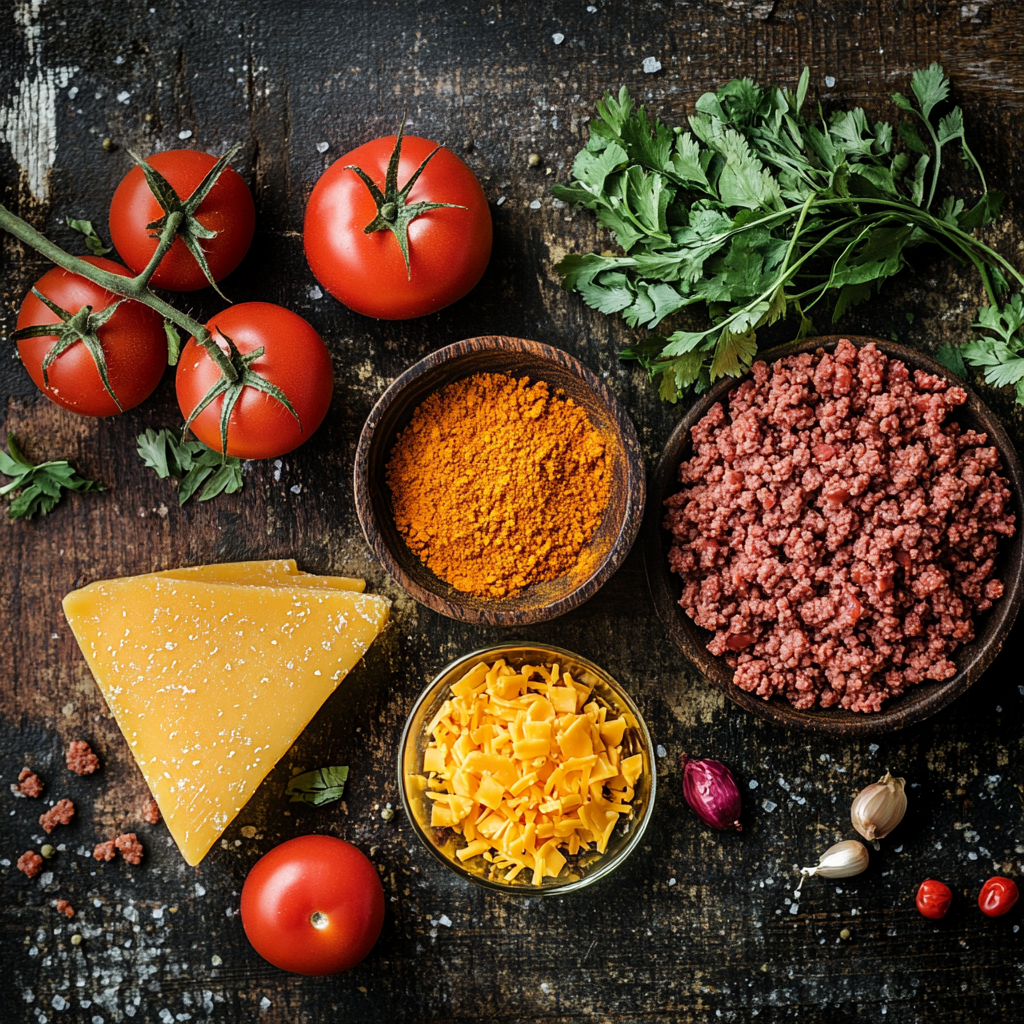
28, 123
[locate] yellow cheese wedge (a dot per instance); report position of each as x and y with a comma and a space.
211, 683
275, 572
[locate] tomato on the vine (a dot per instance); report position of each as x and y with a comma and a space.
934, 898
220, 226
313, 905
389, 250
293, 369
998, 896
121, 339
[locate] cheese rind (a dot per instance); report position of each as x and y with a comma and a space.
211, 683
271, 572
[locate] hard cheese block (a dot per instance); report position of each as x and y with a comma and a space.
212, 682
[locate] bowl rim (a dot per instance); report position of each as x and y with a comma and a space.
606, 867
635, 485
897, 712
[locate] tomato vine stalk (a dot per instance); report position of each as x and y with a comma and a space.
136, 288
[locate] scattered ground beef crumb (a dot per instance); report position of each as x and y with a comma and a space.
104, 851
65, 908
151, 813
60, 813
28, 784
80, 758
31, 863
834, 532
130, 847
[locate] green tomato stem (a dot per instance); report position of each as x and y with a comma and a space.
136, 288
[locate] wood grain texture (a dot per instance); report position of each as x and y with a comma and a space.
919, 702
718, 943
565, 375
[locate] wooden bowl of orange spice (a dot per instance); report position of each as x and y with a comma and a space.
499, 481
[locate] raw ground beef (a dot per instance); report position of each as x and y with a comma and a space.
834, 532
60, 813
105, 851
130, 847
28, 784
80, 758
151, 812
31, 863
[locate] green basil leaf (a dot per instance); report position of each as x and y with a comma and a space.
319, 787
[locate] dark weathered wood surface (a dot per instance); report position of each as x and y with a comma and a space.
695, 926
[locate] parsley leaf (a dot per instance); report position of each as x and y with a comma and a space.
323, 786
1002, 356
759, 210
93, 242
40, 487
191, 463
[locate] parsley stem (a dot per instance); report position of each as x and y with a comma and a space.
797, 229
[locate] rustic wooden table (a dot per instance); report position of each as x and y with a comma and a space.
696, 926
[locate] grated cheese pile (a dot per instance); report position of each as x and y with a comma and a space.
527, 768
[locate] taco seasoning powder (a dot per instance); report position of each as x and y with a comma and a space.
497, 483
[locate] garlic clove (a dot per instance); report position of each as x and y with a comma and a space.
843, 860
879, 808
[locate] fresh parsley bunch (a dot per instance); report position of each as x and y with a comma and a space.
759, 210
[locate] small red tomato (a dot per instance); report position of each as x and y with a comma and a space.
132, 343
227, 210
997, 896
294, 360
934, 898
428, 247
313, 905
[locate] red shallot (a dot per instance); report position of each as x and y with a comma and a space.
712, 792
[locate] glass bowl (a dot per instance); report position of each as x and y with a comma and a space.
581, 869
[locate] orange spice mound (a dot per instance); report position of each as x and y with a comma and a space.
497, 484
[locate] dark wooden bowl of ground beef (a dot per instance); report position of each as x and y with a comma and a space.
856, 561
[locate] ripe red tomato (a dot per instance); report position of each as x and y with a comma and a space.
294, 359
997, 896
313, 905
227, 209
448, 248
934, 898
133, 342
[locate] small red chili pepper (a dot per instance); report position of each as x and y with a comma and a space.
934, 898
997, 896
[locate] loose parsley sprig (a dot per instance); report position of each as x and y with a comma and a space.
191, 463
41, 487
759, 211
1002, 357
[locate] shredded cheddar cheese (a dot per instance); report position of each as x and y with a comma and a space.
528, 768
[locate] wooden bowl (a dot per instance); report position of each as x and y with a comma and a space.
516, 357
919, 701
